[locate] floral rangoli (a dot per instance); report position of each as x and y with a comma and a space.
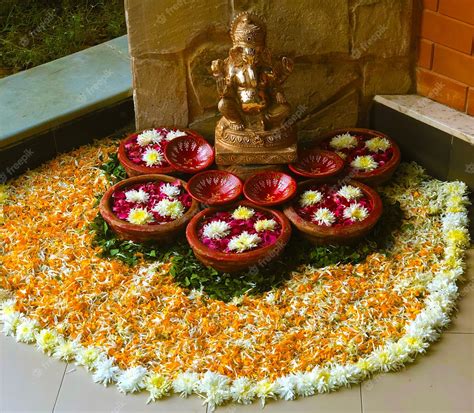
324, 328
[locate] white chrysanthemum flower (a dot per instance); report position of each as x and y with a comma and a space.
323, 216
377, 144
152, 157
242, 212
454, 220
265, 389
265, 225
244, 242
66, 350
26, 330
131, 380
285, 387
321, 379
216, 229
87, 357
166, 208
185, 383
343, 141
105, 371
364, 163
171, 191
158, 386
338, 377
310, 197
139, 196
175, 134
7, 307
11, 320
341, 155
216, 388
47, 340
455, 188
242, 390
305, 384
356, 212
148, 137
350, 192
139, 216
458, 237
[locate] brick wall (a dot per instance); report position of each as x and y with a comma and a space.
445, 71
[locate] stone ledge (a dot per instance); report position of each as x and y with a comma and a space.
451, 121
47, 96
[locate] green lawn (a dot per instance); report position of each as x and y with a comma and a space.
38, 31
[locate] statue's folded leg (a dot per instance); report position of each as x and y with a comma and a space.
277, 113
229, 108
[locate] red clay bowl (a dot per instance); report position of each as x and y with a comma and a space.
215, 187
141, 233
379, 175
317, 164
189, 154
321, 234
269, 188
234, 262
134, 169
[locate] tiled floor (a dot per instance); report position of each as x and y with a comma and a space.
441, 381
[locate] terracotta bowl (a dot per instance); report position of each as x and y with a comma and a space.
321, 234
317, 164
189, 154
141, 233
233, 262
215, 187
134, 169
269, 188
380, 175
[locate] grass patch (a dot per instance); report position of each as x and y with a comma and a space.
34, 32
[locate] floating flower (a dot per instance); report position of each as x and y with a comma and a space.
137, 196
186, 383
148, 137
216, 229
377, 144
310, 197
171, 191
152, 157
26, 330
356, 212
265, 225
172, 209
350, 192
175, 134
105, 371
139, 216
243, 212
364, 162
324, 216
244, 242
158, 386
343, 141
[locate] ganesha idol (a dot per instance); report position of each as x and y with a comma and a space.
254, 128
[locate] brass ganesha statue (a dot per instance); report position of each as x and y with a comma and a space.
254, 127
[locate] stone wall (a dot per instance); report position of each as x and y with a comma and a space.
345, 52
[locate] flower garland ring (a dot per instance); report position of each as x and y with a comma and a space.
325, 328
